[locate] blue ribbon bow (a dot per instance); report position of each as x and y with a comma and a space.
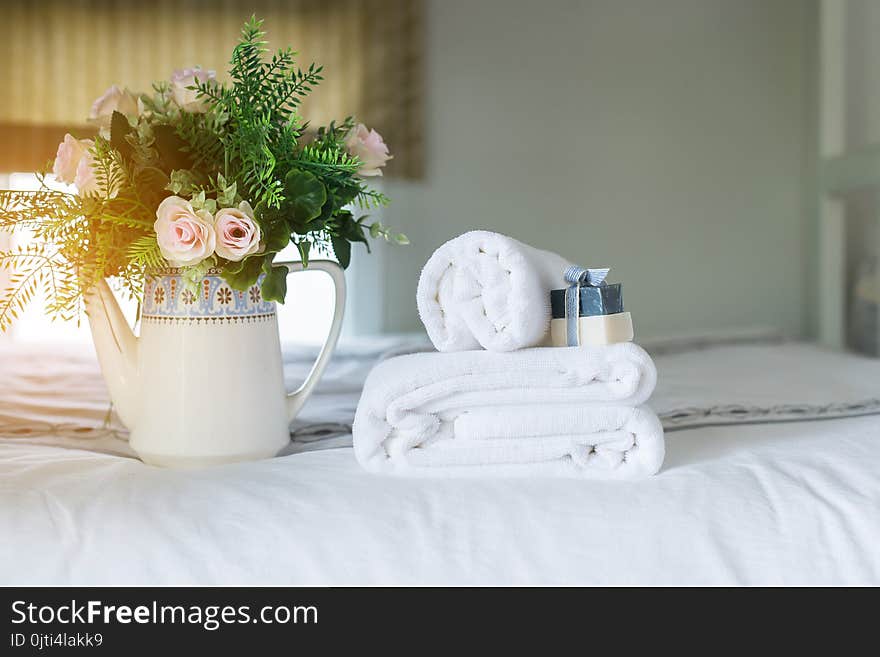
579, 277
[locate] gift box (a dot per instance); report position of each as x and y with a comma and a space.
601, 300
601, 319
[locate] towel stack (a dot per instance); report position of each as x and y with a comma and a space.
513, 408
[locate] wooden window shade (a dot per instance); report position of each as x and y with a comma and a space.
59, 55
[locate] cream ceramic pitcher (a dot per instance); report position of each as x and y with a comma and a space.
203, 383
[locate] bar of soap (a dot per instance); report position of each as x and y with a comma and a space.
603, 300
595, 330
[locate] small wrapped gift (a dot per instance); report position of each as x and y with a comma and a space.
589, 311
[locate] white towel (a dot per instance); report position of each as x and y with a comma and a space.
569, 411
487, 290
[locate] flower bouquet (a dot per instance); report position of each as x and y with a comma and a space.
198, 175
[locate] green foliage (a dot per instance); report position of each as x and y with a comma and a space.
144, 252
242, 275
77, 242
304, 196
260, 115
305, 249
32, 269
342, 250
274, 287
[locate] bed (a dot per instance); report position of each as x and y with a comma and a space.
772, 476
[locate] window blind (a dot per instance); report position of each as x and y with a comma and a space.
59, 55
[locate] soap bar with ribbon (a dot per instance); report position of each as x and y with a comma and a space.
589, 311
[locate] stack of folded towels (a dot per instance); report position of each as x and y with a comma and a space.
512, 407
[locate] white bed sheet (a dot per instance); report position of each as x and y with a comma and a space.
770, 503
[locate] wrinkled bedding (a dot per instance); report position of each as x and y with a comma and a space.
772, 476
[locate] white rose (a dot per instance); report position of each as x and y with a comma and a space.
114, 100
188, 99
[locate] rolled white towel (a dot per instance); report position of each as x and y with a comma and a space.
488, 290
567, 411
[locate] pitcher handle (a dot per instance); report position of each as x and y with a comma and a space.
296, 399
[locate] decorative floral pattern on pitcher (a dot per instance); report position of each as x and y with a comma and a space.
166, 298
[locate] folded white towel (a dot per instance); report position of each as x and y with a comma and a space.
487, 290
568, 411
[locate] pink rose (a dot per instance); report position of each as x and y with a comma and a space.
114, 100
85, 180
188, 99
70, 152
185, 236
238, 235
368, 147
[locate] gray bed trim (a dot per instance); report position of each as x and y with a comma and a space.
734, 414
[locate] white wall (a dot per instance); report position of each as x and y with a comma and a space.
666, 139
862, 73
862, 121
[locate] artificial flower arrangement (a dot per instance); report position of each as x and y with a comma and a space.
197, 175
